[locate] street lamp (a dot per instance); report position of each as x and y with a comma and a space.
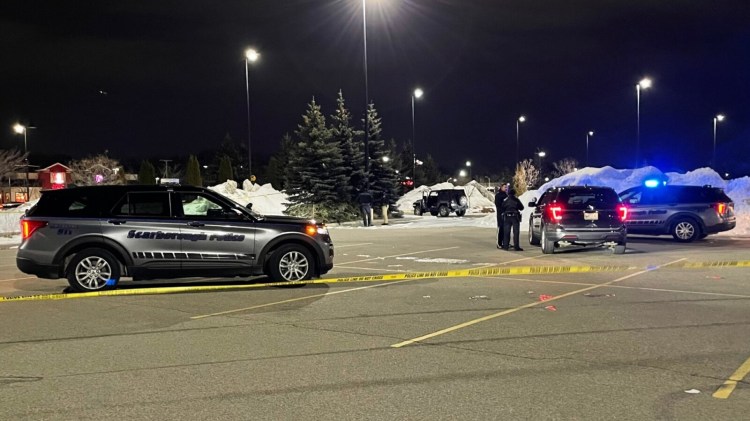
414, 96
21, 129
588, 135
468, 164
541, 155
645, 83
718, 118
251, 56
367, 97
462, 173
520, 120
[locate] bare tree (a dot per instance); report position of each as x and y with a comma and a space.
527, 175
10, 162
564, 166
99, 169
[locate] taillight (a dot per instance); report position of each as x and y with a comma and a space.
623, 211
555, 212
28, 227
721, 208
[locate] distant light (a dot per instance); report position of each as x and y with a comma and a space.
386, 159
591, 133
726, 174
252, 55
19, 128
546, 179
205, 166
652, 183
522, 119
542, 154
575, 169
468, 163
418, 93
720, 117
462, 173
645, 83
98, 178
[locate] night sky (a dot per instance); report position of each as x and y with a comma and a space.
153, 79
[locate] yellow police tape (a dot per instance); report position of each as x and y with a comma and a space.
459, 273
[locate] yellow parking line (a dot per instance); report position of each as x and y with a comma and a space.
513, 310
307, 297
727, 388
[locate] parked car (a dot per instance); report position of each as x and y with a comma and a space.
688, 213
584, 216
93, 236
442, 202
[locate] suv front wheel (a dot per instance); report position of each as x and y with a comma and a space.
291, 262
93, 270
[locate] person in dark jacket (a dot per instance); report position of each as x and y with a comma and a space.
511, 209
364, 198
501, 194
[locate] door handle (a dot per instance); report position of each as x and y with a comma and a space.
196, 224
117, 221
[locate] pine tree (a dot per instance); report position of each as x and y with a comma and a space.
431, 171
193, 172
383, 180
343, 134
225, 170
315, 168
147, 173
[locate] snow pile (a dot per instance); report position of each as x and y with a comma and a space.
265, 199
478, 202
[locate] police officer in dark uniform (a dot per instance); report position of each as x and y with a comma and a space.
511, 210
501, 194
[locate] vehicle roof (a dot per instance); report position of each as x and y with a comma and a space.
127, 188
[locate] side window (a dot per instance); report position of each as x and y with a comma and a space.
633, 196
197, 205
69, 204
690, 195
660, 196
148, 204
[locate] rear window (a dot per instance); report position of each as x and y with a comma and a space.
582, 199
148, 204
69, 204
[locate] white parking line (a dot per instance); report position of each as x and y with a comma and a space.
396, 255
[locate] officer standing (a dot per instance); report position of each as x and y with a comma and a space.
365, 206
511, 209
501, 194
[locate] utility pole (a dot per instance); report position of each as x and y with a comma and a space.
166, 167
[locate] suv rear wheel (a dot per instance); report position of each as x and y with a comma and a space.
685, 230
548, 246
291, 262
93, 270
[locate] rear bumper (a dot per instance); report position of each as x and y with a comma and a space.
32, 268
587, 237
725, 226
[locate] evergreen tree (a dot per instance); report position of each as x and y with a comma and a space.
147, 173
193, 172
225, 170
315, 169
383, 179
432, 173
278, 165
237, 154
343, 134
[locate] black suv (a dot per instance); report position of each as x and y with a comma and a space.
93, 236
686, 212
442, 202
578, 216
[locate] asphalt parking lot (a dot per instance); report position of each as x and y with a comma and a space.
658, 333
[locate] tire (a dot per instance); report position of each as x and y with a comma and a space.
443, 211
548, 246
291, 262
619, 249
533, 239
461, 213
685, 230
93, 270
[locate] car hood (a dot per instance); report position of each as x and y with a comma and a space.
291, 220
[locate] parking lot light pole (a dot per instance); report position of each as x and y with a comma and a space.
718, 118
645, 83
588, 135
251, 56
520, 120
21, 129
414, 96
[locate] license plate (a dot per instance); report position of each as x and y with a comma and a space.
591, 216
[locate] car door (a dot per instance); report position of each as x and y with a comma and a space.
215, 236
144, 224
535, 219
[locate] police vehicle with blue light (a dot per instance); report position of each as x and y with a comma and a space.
687, 213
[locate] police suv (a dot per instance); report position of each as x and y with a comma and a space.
94, 236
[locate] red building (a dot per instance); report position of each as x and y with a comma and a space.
56, 176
